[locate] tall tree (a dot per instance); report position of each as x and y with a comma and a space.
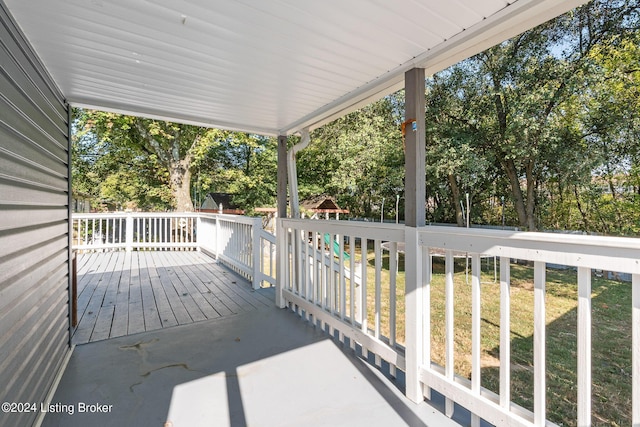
244, 165
172, 146
510, 99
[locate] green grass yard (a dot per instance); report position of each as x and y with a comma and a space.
611, 359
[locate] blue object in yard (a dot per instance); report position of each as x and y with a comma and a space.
336, 247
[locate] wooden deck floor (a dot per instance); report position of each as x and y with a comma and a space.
122, 293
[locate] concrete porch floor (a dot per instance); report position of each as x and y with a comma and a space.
266, 367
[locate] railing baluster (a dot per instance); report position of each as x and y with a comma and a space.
505, 333
342, 291
316, 272
271, 260
308, 272
377, 248
426, 313
352, 285
378, 286
331, 282
295, 260
304, 266
584, 346
171, 237
393, 269
343, 281
635, 342
476, 302
302, 287
539, 344
449, 325
323, 273
363, 291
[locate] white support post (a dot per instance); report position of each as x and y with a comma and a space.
413, 314
415, 136
129, 233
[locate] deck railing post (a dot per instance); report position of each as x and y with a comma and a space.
218, 230
256, 230
197, 239
129, 232
413, 314
415, 196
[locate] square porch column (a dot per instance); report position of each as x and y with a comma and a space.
414, 217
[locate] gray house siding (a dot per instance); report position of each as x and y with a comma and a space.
34, 225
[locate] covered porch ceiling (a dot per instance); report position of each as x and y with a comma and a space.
268, 67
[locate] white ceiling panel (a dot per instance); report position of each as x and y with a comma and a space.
265, 66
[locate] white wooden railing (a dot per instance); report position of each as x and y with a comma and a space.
134, 231
582, 252
320, 285
327, 288
237, 241
240, 243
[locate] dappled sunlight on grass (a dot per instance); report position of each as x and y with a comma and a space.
611, 311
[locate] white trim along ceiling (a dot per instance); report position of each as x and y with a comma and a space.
271, 67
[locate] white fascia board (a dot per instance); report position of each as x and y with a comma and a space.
514, 19
176, 118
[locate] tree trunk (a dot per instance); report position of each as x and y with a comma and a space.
531, 198
585, 219
180, 180
455, 199
516, 191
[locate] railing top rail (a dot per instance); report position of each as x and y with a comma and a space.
241, 219
611, 253
135, 215
268, 236
372, 230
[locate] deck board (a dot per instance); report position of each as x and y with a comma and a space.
135, 306
122, 293
150, 309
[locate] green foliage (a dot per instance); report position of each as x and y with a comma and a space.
358, 159
531, 118
135, 162
243, 165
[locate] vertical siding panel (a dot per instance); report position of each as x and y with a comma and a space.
34, 225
